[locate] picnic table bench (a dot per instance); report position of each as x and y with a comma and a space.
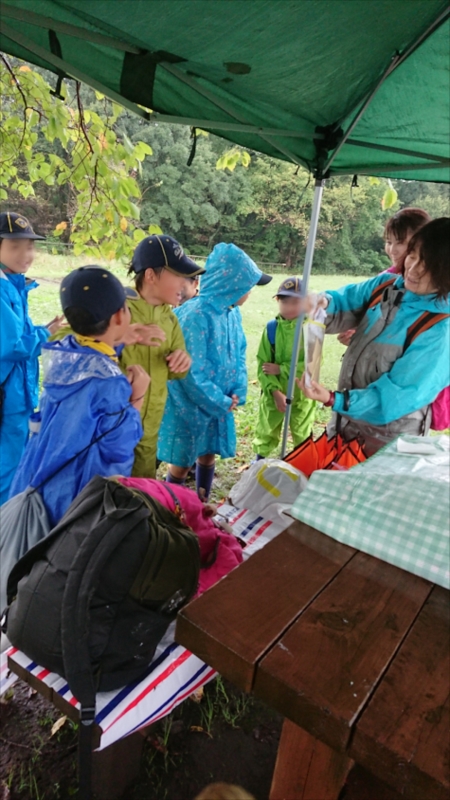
354, 652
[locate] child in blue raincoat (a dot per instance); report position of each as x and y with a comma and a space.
198, 422
88, 422
20, 343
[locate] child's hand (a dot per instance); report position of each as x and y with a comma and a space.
179, 361
271, 369
279, 400
209, 510
56, 324
234, 402
151, 335
346, 336
315, 391
136, 333
140, 382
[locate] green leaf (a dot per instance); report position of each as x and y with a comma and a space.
245, 158
139, 234
141, 150
154, 229
389, 198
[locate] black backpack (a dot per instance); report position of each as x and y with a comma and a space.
93, 599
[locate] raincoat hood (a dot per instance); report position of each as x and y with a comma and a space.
67, 366
230, 273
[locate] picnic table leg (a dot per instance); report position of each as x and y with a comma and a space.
307, 769
116, 766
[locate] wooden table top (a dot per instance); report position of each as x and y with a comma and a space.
351, 649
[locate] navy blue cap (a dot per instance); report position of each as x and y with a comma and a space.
291, 287
15, 226
160, 250
95, 290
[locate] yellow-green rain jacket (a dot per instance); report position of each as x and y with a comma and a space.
270, 420
153, 360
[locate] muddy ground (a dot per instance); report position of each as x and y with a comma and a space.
227, 736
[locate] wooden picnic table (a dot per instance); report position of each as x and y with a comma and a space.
352, 651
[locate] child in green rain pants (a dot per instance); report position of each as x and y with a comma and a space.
274, 362
161, 269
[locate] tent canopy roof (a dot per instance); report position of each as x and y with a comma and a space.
286, 78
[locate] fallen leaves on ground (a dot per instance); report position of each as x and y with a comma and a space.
57, 725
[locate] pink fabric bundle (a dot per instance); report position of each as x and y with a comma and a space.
216, 545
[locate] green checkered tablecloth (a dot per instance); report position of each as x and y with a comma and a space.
395, 506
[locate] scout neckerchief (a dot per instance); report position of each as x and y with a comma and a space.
100, 347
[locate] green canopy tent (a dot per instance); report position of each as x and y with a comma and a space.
338, 86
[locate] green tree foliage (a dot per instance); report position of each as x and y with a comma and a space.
198, 204
104, 178
49, 142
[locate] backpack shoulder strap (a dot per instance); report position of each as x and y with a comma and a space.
378, 292
426, 321
271, 328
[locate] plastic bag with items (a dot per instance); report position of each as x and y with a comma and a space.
269, 487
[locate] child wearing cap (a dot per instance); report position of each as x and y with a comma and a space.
88, 422
198, 422
274, 363
190, 289
161, 269
20, 343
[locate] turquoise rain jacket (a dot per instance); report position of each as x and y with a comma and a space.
389, 390
20, 346
85, 395
197, 419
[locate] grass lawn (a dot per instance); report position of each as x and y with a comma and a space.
260, 307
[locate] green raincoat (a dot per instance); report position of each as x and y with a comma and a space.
270, 420
153, 359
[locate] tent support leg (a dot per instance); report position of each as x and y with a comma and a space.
318, 191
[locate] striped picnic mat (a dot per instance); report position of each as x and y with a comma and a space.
174, 673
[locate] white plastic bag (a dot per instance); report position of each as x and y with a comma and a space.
269, 487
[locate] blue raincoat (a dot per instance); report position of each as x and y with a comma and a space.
85, 395
20, 346
197, 419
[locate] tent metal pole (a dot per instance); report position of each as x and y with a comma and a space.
396, 60
223, 105
318, 191
150, 116
385, 170
83, 34
361, 111
70, 70
400, 150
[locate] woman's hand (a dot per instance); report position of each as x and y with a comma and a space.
312, 302
179, 361
271, 369
279, 400
315, 391
346, 337
56, 324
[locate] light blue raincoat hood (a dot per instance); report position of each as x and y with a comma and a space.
230, 273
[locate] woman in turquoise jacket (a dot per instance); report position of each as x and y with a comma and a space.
198, 421
20, 343
398, 360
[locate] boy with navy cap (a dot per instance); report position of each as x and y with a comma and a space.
161, 269
88, 421
274, 363
20, 343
